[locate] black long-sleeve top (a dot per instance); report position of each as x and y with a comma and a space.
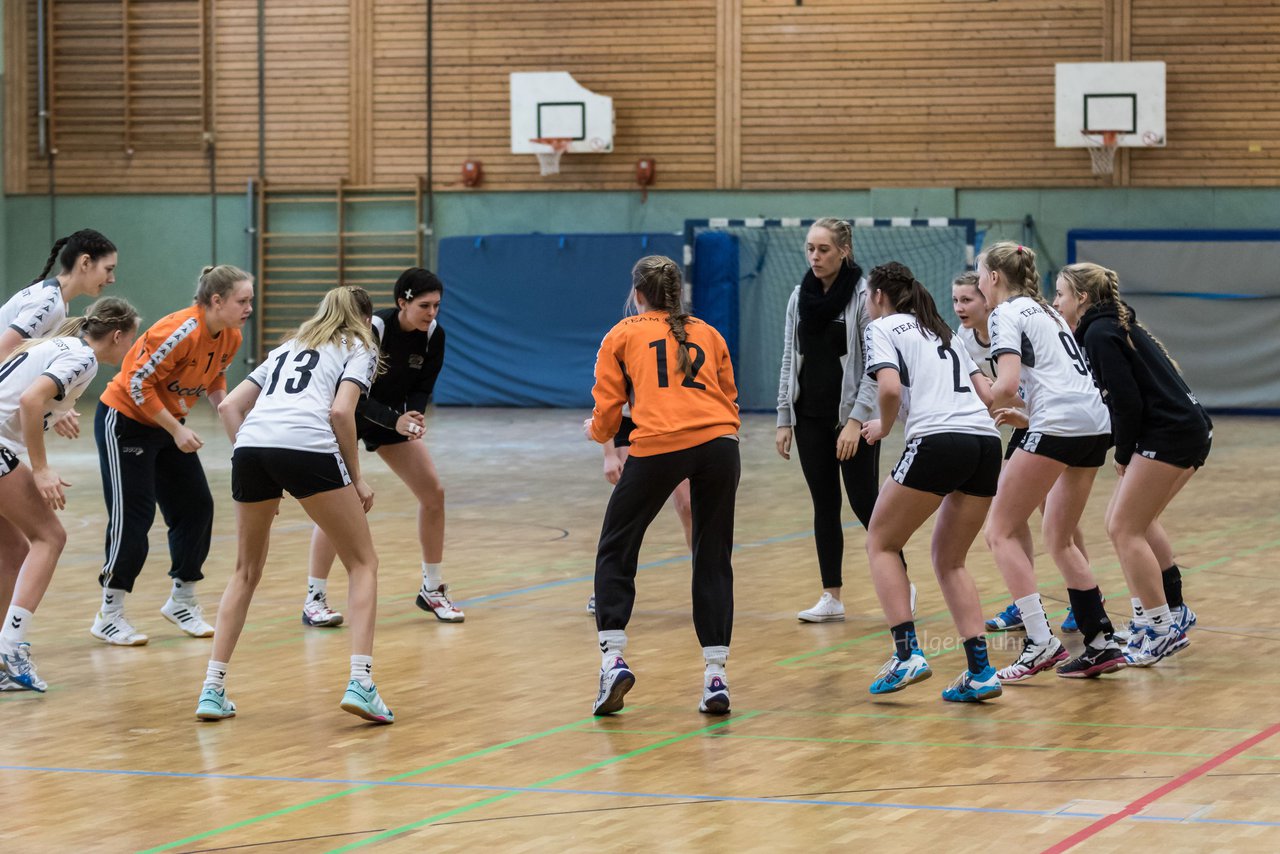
413, 360
1141, 386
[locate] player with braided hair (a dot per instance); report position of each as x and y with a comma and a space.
1162, 436
675, 372
1068, 433
40, 380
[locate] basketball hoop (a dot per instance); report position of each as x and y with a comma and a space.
1103, 151
549, 161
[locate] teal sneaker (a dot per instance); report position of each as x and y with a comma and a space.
21, 669
214, 705
365, 703
898, 674
971, 687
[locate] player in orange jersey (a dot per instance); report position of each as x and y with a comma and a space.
675, 372
148, 453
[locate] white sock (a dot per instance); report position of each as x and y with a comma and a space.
715, 657
215, 675
431, 576
1139, 616
612, 643
16, 623
184, 591
317, 588
1159, 618
1033, 618
362, 670
112, 600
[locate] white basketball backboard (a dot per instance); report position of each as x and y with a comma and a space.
551, 104
1092, 97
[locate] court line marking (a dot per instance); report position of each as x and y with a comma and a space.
485, 751
1151, 797
612, 760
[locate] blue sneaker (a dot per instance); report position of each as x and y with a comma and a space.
1006, 621
21, 669
1149, 646
898, 674
715, 696
365, 703
971, 687
214, 705
615, 682
1183, 617
1069, 622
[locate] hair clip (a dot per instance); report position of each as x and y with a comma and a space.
1019, 248
408, 294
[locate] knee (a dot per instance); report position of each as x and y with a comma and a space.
53, 536
249, 574
433, 499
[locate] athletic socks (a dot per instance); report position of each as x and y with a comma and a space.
904, 639
432, 578
1033, 618
975, 650
183, 591
317, 588
362, 670
215, 675
1159, 618
1139, 615
612, 643
16, 623
1172, 579
112, 600
1091, 616
715, 657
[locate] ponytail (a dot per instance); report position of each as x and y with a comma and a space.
657, 279
102, 318
67, 249
908, 296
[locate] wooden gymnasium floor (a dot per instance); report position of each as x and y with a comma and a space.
494, 744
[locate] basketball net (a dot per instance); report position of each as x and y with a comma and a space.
549, 161
1103, 153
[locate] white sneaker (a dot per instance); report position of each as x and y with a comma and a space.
187, 616
318, 613
438, 602
828, 610
7, 684
1034, 658
116, 630
715, 696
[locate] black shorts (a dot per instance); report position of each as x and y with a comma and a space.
1015, 439
1083, 452
262, 474
1190, 456
8, 461
622, 439
375, 436
943, 463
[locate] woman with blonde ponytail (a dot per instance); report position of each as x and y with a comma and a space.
1056, 461
1162, 437
40, 381
679, 381
293, 427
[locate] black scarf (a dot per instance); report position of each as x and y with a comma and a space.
818, 308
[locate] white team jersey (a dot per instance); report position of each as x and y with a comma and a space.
36, 310
1062, 399
981, 354
937, 380
298, 387
69, 362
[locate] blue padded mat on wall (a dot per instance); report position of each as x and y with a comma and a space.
525, 313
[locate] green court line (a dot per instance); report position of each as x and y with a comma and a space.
475, 754
1000, 721
431, 819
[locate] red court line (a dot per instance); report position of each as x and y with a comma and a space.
1149, 798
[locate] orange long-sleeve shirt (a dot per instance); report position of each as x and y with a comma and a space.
174, 364
637, 363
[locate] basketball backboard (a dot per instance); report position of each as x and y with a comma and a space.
1093, 97
552, 105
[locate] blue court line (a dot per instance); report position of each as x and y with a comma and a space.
662, 796
551, 585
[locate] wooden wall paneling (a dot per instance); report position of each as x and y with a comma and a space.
399, 91
18, 98
360, 169
1223, 86
728, 94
